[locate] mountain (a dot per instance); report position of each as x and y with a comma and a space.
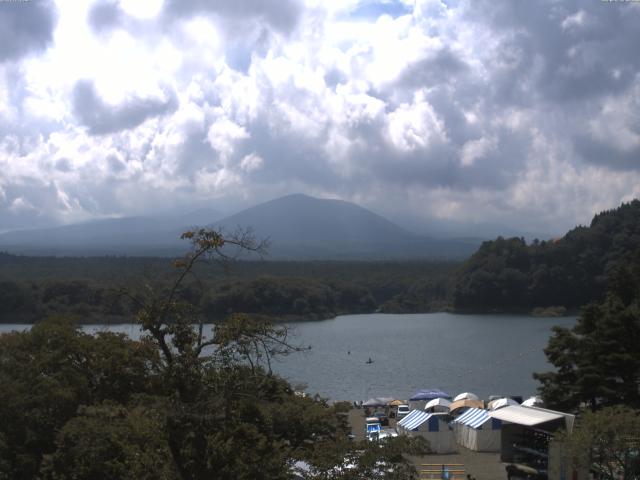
297, 226
113, 236
303, 227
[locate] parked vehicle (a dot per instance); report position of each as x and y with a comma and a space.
382, 417
381, 435
372, 425
403, 411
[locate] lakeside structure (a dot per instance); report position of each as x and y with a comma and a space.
521, 434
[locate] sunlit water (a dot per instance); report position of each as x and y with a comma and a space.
484, 354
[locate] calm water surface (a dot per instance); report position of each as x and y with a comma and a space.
484, 354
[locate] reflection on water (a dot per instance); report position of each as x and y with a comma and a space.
484, 354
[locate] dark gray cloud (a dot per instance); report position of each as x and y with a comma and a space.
27, 203
102, 118
287, 156
573, 50
105, 15
282, 15
115, 164
25, 27
443, 67
63, 165
600, 153
194, 153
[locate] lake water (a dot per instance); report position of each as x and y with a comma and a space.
484, 354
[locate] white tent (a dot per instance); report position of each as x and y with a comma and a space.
502, 402
377, 402
466, 396
438, 405
533, 402
476, 430
432, 427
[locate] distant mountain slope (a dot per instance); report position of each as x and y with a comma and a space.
128, 235
299, 226
508, 274
302, 219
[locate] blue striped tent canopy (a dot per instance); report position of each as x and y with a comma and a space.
414, 419
474, 418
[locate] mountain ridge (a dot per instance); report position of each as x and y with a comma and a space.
299, 227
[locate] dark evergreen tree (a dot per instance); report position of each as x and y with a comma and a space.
598, 361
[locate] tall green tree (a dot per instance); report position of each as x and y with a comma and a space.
608, 442
47, 373
598, 361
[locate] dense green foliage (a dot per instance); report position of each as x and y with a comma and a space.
174, 405
608, 440
508, 274
48, 372
598, 361
282, 297
32, 287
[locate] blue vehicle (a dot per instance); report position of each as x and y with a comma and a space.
373, 426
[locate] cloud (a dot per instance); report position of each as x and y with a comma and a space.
282, 15
102, 118
251, 162
374, 9
25, 27
105, 15
510, 112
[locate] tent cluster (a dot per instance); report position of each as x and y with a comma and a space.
466, 420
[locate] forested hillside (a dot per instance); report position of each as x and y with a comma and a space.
507, 274
32, 288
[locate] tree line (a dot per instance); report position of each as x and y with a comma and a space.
90, 288
509, 274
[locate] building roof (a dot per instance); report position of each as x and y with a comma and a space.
526, 415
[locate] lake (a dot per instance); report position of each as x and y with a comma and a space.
483, 354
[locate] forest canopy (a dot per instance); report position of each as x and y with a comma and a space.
508, 274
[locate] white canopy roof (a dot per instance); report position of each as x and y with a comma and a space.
377, 402
466, 396
525, 415
437, 402
532, 402
501, 403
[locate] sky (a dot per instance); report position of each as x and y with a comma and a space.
515, 112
